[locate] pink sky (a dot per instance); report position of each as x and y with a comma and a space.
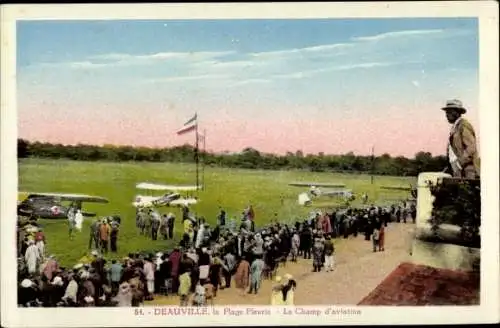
396, 133
379, 84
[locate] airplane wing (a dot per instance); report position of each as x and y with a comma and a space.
155, 186
396, 188
151, 186
184, 188
317, 184
183, 201
336, 192
69, 197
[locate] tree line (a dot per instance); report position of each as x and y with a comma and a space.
248, 158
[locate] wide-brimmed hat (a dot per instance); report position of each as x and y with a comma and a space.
286, 278
85, 275
88, 299
124, 287
57, 281
26, 283
455, 104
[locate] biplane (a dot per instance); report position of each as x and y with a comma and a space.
305, 198
171, 197
50, 205
411, 189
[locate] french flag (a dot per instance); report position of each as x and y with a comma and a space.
189, 126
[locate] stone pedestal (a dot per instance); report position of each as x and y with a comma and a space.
444, 254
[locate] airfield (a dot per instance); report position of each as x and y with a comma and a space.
232, 189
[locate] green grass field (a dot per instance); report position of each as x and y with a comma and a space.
232, 189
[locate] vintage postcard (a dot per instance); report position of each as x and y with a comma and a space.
249, 164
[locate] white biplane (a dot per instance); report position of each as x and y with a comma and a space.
411, 189
172, 197
305, 198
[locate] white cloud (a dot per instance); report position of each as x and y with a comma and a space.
74, 65
214, 64
309, 73
122, 59
362, 65
250, 81
298, 51
341, 48
188, 78
397, 34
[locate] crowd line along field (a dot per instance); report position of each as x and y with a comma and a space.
230, 189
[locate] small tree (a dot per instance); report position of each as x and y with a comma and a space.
22, 148
458, 202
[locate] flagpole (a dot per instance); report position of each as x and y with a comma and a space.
204, 159
197, 157
373, 162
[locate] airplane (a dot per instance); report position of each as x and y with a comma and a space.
50, 205
314, 188
411, 189
171, 198
305, 198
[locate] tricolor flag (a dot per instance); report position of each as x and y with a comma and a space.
188, 126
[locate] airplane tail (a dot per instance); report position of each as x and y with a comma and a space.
304, 199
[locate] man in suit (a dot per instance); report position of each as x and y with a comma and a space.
462, 151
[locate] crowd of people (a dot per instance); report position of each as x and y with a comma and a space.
231, 255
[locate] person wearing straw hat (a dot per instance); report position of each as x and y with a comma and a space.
277, 292
124, 295
184, 287
462, 150
27, 293
289, 286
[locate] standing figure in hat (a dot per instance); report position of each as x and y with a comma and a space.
289, 286
104, 232
164, 226
124, 296
113, 237
78, 220
277, 292
32, 257
242, 275
462, 150
71, 221
318, 248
